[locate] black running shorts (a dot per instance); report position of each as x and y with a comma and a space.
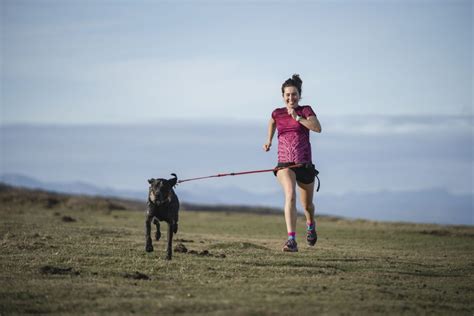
304, 174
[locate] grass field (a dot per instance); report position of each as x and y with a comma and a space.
77, 255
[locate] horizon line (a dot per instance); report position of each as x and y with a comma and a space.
216, 121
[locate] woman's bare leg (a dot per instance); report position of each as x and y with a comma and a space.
306, 197
287, 179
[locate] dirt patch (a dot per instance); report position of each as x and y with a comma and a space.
58, 270
180, 248
205, 253
454, 232
136, 276
436, 232
68, 219
184, 240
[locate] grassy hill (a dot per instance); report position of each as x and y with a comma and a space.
65, 254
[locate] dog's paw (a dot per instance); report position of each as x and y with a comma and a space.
157, 236
148, 248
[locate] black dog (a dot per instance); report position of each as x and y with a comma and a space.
163, 205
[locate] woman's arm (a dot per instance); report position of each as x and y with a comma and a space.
271, 132
311, 123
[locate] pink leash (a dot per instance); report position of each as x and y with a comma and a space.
240, 173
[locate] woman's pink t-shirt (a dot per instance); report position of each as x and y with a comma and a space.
293, 137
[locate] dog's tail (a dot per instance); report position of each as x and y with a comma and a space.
174, 180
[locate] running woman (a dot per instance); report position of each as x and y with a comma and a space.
293, 123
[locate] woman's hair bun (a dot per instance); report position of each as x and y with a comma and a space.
296, 78
294, 81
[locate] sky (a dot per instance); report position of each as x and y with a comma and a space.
110, 62
111, 93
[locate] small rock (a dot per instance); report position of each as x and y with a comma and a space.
184, 240
57, 270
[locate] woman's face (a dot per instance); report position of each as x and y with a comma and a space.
291, 96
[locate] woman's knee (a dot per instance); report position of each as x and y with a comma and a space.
288, 182
290, 197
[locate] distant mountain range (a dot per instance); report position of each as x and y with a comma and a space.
425, 206
75, 187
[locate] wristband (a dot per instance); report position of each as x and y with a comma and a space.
298, 118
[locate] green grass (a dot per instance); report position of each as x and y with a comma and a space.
357, 267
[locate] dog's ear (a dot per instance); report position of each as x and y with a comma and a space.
150, 181
174, 180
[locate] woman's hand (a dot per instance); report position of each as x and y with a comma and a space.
292, 112
267, 146
271, 131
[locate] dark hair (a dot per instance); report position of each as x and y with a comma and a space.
294, 81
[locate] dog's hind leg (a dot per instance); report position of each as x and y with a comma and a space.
175, 228
170, 241
158, 232
148, 243
175, 223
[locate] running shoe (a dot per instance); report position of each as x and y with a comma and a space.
311, 236
290, 246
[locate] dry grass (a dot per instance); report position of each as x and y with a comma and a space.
96, 263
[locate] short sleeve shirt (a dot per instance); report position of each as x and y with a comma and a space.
293, 138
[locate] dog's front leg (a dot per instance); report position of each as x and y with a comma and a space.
170, 241
158, 232
148, 245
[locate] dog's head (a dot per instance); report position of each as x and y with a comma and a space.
160, 189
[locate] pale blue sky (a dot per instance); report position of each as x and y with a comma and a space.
135, 61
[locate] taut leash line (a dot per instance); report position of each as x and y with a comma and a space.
240, 173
